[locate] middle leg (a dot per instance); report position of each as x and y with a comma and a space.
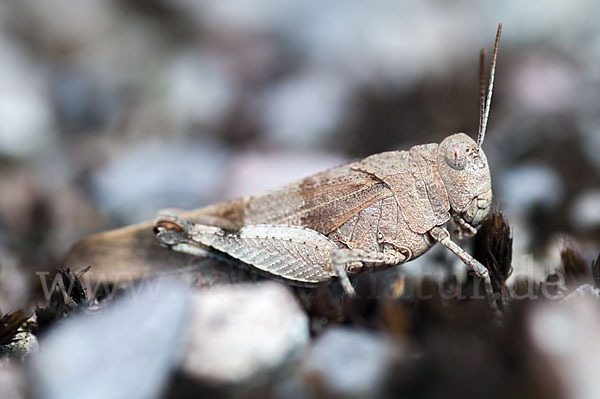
352, 261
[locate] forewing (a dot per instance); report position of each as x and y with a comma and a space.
321, 202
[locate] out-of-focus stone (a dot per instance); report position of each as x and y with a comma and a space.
567, 335
20, 191
349, 362
84, 99
14, 288
294, 111
154, 175
590, 133
531, 185
44, 204
543, 84
62, 23
585, 210
12, 382
199, 92
124, 351
243, 332
25, 118
252, 172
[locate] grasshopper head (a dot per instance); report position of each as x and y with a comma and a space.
465, 172
461, 161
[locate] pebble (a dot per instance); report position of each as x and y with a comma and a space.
528, 186
12, 382
241, 332
585, 210
543, 84
155, 175
127, 350
567, 336
590, 134
14, 287
84, 99
349, 362
25, 114
293, 111
198, 91
251, 172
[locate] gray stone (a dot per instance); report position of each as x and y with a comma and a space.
567, 336
293, 112
349, 362
155, 175
585, 210
241, 332
199, 92
25, 115
253, 171
528, 186
14, 287
12, 382
127, 350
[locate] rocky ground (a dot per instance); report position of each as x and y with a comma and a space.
110, 111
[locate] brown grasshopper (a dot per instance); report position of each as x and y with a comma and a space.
381, 211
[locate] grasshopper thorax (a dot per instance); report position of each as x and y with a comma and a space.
466, 176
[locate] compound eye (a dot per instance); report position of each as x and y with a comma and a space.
456, 155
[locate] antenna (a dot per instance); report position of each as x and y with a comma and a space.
485, 111
481, 95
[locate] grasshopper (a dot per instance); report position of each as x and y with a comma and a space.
378, 212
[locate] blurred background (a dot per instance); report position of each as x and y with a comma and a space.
111, 110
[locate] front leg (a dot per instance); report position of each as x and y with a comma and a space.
352, 261
464, 228
443, 236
